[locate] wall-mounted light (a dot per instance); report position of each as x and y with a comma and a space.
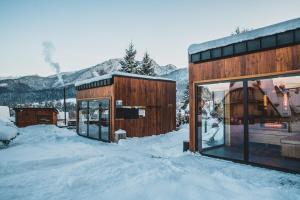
265, 102
285, 101
119, 103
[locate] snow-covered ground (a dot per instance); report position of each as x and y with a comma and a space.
46, 162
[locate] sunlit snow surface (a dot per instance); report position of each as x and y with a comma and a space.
46, 162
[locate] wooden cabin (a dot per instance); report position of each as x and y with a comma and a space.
34, 116
140, 105
245, 97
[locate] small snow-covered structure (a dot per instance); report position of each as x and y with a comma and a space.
245, 97
34, 116
140, 105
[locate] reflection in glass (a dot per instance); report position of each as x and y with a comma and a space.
94, 119
274, 122
220, 119
105, 122
82, 125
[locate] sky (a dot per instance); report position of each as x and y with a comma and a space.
87, 32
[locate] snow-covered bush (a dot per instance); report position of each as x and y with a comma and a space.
8, 131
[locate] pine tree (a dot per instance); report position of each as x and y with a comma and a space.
129, 64
146, 67
185, 98
239, 30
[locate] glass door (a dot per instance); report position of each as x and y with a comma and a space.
219, 117
104, 108
94, 119
274, 122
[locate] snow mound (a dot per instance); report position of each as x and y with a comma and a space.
7, 131
4, 114
48, 162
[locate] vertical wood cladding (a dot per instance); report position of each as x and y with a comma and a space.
158, 97
33, 116
271, 62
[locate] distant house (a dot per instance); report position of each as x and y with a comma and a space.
140, 105
245, 97
34, 116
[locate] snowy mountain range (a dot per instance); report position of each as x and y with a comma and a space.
35, 88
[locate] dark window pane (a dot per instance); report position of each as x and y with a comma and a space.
216, 53
205, 55
127, 113
228, 50
297, 35
240, 47
195, 57
285, 38
274, 123
219, 117
253, 45
268, 42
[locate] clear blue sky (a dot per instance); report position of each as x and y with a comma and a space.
88, 32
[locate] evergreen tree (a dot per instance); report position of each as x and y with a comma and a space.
239, 30
146, 67
129, 64
185, 98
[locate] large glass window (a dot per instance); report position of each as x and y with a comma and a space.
94, 119
274, 122
220, 127
83, 119
271, 123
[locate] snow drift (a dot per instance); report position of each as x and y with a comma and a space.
47, 162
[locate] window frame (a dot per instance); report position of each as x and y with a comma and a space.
246, 119
88, 121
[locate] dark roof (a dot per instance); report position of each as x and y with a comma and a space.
35, 109
249, 35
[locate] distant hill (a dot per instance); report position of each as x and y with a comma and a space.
28, 89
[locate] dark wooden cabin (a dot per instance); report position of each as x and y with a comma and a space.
34, 116
140, 105
245, 97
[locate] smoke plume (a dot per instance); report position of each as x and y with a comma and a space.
48, 49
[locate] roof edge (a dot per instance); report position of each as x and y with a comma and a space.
249, 35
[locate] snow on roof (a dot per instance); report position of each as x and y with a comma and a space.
261, 32
117, 73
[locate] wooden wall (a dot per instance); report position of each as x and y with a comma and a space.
159, 98
28, 117
98, 93
265, 63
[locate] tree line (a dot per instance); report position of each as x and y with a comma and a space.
130, 65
